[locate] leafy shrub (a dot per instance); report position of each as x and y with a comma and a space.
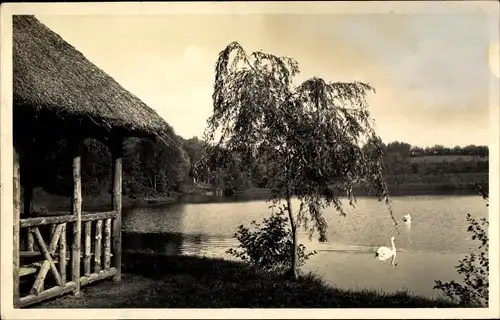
474, 267
270, 245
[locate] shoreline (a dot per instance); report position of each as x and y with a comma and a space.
169, 281
45, 202
399, 191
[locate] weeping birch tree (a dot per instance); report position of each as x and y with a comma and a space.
315, 140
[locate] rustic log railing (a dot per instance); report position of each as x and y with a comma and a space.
55, 254
55, 251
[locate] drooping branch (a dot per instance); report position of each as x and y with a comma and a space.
310, 138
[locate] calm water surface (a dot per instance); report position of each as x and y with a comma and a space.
428, 249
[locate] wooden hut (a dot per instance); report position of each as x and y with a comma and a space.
58, 93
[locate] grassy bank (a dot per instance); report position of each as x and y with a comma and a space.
410, 185
152, 281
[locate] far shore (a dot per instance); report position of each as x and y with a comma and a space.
45, 202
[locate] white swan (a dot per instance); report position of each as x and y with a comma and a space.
407, 217
384, 253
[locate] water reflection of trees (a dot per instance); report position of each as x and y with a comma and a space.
201, 198
162, 230
202, 244
197, 240
158, 243
154, 219
154, 229
170, 244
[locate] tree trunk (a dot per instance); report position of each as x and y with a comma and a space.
292, 273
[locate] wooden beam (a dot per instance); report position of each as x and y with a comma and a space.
47, 294
27, 270
52, 230
47, 252
40, 221
77, 212
35, 254
101, 275
117, 155
37, 287
16, 189
48, 263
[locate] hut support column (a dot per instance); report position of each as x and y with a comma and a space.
28, 192
16, 188
77, 211
28, 212
117, 153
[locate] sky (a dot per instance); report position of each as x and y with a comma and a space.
431, 71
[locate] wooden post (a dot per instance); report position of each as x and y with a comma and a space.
28, 209
107, 243
27, 165
77, 211
62, 254
97, 246
16, 188
117, 153
87, 247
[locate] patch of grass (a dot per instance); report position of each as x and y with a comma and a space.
152, 281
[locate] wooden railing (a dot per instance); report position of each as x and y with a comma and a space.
97, 244
55, 252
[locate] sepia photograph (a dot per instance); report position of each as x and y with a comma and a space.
316, 157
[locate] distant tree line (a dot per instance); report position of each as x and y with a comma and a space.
407, 150
152, 168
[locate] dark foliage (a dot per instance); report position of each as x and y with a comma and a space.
269, 246
52, 170
475, 267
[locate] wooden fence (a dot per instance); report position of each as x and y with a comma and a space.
90, 254
101, 241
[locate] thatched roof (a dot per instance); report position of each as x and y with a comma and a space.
52, 77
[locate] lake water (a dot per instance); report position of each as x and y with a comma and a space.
427, 250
